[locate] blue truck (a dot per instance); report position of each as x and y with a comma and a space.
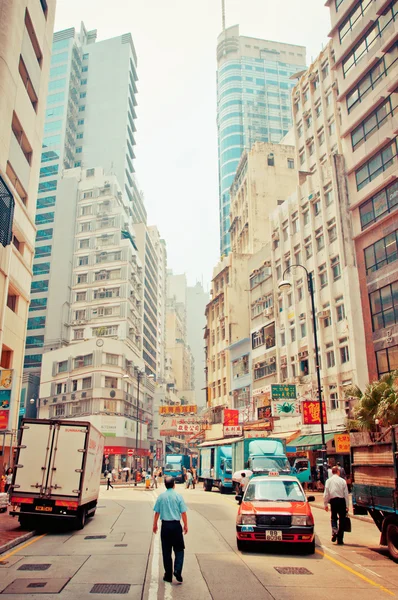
215, 465
261, 456
174, 466
374, 470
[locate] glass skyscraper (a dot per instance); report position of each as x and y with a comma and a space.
253, 103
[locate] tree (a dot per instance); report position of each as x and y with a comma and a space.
379, 402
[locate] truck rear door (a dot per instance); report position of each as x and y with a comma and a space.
33, 458
67, 459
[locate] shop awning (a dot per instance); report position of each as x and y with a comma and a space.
284, 435
309, 442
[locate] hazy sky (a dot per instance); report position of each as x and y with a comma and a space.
176, 150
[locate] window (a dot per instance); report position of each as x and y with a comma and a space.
290, 163
78, 334
80, 122
42, 251
340, 312
82, 261
39, 286
306, 217
82, 278
379, 205
111, 359
84, 227
321, 137
32, 361
381, 253
302, 158
328, 197
83, 82
368, 83
35, 341
86, 383
79, 149
79, 136
387, 360
36, 322
27, 83
299, 133
335, 266
47, 186
325, 70
105, 331
82, 108
318, 110
311, 148
84, 244
344, 354
285, 231
361, 48
317, 207
372, 123
308, 247
45, 202
384, 306
111, 382
303, 329
320, 240
85, 68
334, 400
38, 304
379, 163
44, 234
353, 17
80, 314
83, 361
292, 331
330, 360
41, 269
323, 276
283, 339
332, 128
81, 296
258, 338
83, 94
332, 230
62, 366
300, 293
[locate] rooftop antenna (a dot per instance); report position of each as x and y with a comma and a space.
223, 14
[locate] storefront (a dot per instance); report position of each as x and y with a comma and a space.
123, 457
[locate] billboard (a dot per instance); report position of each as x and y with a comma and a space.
283, 391
312, 413
5, 397
342, 443
231, 417
285, 408
178, 426
178, 409
233, 430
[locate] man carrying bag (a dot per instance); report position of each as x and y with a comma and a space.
336, 493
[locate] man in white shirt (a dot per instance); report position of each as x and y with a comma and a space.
336, 493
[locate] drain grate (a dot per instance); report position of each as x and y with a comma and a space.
38, 584
95, 537
293, 571
110, 588
121, 545
39, 567
19, 587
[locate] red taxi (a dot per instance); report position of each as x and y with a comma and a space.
275, 509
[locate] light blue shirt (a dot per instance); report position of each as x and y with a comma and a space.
170, 505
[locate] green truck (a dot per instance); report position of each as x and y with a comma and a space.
374, 468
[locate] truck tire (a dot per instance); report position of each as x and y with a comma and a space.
223, 489
392, 540
25, 522
81, 518
207, 486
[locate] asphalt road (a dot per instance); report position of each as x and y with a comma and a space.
73, 562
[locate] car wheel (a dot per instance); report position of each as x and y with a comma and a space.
392, 540
242, 545
310, 548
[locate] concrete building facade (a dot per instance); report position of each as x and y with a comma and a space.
197, 299
26, 29
253, 104
364, 36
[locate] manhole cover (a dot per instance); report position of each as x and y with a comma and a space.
95, 537
120, 545
40, 586
293, 571
110, 588
41, 567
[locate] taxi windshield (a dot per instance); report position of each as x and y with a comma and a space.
268, 463
274, 490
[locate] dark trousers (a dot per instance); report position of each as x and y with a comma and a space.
108, 484
172, 539
339, 511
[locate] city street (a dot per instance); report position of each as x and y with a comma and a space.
125, 552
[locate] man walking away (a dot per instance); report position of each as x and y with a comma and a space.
170, 507
336, 493
154, 480
108, 481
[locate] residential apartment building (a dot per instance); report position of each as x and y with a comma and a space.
88, 123
265, 177
253, 104
364, 35
25, 45
197, 299
152, 250
180, 361
227, 323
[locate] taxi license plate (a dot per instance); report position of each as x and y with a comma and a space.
273, 536
44, 508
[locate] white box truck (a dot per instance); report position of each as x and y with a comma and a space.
57, 472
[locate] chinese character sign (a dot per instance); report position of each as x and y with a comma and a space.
233, 430
187, 428
283, 391
177, 409
342, 443
312, 413
231, 417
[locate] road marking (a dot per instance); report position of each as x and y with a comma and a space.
368, 570
36, 539
154, 585
356, 573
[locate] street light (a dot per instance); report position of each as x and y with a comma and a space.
284, 286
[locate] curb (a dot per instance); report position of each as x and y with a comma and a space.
356, 517
16, 542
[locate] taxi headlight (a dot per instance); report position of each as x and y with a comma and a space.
248, 519
300, 521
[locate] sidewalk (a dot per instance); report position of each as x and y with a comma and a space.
11, 534
319, 504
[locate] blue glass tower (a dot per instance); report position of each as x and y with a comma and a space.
253, 104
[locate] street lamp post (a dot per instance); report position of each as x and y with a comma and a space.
284, 285
139, 375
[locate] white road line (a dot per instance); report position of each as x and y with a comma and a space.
154, 585
368, 570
